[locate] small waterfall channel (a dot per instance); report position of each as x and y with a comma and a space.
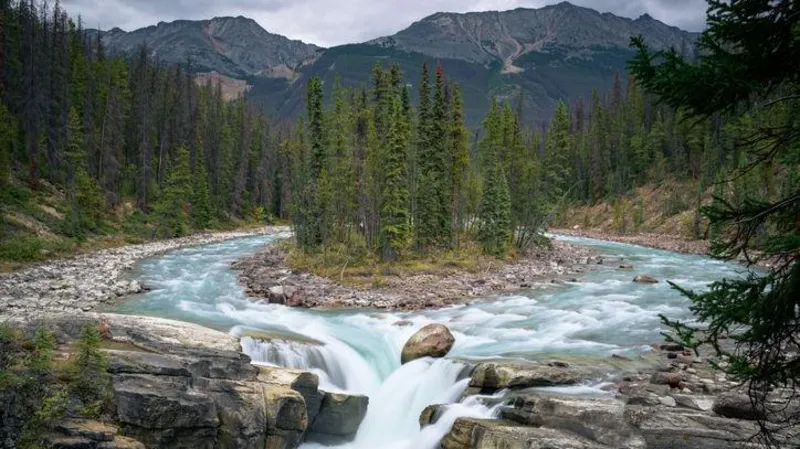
358, 351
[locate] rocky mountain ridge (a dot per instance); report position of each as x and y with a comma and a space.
233, 46
558, 52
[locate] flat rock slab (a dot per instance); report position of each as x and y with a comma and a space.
492, 376
470, 433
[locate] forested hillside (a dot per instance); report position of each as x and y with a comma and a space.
97, 145
93, 145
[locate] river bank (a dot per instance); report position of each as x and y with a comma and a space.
86, 281
650, 240
269, 277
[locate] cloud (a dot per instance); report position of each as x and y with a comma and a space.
328, 23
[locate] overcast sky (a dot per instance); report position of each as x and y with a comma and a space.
334, 22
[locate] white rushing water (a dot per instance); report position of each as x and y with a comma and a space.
603, 314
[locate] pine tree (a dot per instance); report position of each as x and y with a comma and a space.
202, 210
495, 214
172, 208
557, 154
459, 155
748, 59
395, 216
7, 138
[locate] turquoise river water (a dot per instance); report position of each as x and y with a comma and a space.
603, 314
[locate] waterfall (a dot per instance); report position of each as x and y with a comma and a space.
340, 369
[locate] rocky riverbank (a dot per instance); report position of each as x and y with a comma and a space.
680, 403
84, 282
657, 241
266, 276
179, 385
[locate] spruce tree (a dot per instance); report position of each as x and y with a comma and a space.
748, 59
395, 216
557, 154
172, 208
202, 209
495, 213
459, 155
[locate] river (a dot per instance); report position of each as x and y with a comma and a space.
603, 314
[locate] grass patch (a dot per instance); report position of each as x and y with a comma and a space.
359, 267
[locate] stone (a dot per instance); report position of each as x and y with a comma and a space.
303, 382
645, 279
493, 376
736, 405
665, 428
340, 414
667, 401
433, 340
626, 267
431, 414
93, 430
702, 403
472, 433
664, 378
600, 420
277, 294
402, 323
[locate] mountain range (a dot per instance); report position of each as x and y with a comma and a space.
556, 52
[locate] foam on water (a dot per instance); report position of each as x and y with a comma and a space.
606, 313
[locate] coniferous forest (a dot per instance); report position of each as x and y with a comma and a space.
135, 146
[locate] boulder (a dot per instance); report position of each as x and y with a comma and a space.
471, 433
303, 382
493, 376
645, 279
601, 420
694, 402
736, 405
431, 414
677, 428
340, 414
193, 398
433, 340
665, 378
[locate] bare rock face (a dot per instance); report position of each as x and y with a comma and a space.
433, 340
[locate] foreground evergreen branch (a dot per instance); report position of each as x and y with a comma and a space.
749, 60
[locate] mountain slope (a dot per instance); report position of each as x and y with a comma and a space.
233, 46
485, 37
556, 52
548, 54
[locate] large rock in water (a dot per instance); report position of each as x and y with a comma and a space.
340, 415
433, 340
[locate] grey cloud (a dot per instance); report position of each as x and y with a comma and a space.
327, 23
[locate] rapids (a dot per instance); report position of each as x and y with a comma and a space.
603, 314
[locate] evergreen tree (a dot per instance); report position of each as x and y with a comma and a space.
557, 157
748, 59
172, 209
395, 216
202, 209
495, 214
459, 155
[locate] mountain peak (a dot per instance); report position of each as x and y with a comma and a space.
233, 46
504, 36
